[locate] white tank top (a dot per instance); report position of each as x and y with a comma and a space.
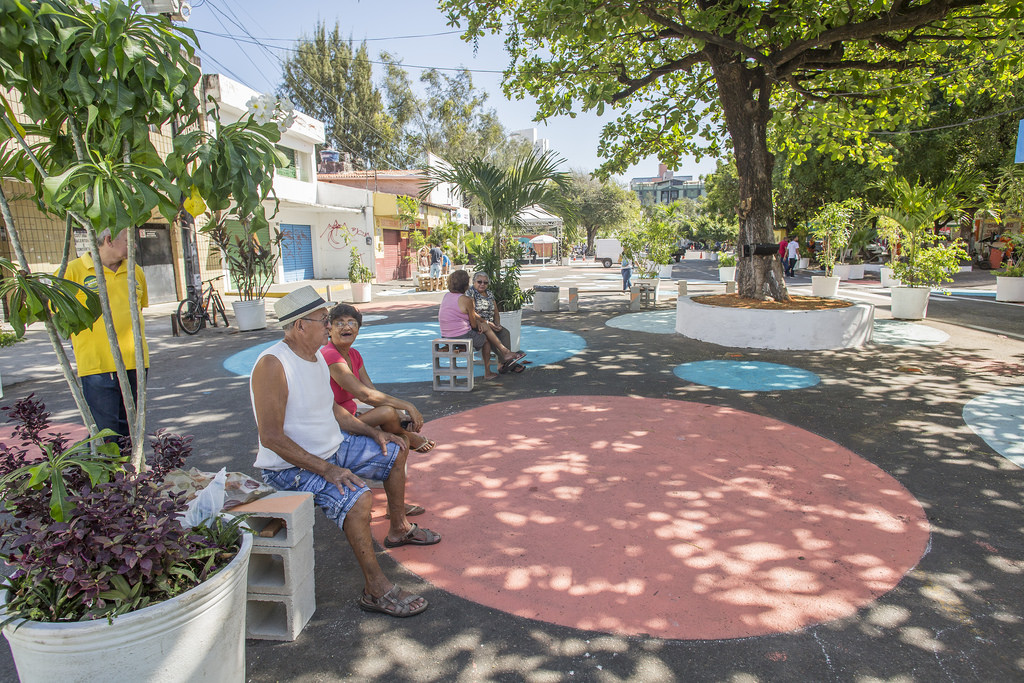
309, 414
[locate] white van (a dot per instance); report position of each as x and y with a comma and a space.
607, 251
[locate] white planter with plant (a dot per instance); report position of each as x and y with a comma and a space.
726, 267
250, 315
825, 286
359, 278
832, 226
856, 271
803, 263
1010, 279
908, 222
887, 278
841, 271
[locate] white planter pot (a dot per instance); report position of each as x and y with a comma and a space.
513, 322
196, 636
910, 303
856, 271
250, 315
841, 271
726, 273
566, 261
665, 271
803, 263
824, 286
360, 292
885, 274
1009, 288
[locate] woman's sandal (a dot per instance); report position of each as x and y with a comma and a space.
426, 537
426, 446
392, 603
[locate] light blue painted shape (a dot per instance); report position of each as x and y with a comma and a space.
746, 375
998, 418
903, 333
400, 352
1018, 157
373, 317
654, 322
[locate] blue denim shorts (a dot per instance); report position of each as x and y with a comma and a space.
359, 453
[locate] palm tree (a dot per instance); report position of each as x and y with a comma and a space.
532, 180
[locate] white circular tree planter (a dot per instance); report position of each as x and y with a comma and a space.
197, 636
822, 285
250, 315
1009, 288
726, 273
856, 271
885, 275
841, 271
837, 328
910, 303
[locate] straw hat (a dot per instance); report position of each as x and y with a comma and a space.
297, 305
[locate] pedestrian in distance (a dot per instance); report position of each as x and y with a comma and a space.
792, 253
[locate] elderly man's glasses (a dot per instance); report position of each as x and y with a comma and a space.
322, 320
345, 323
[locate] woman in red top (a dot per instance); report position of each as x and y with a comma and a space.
350, 383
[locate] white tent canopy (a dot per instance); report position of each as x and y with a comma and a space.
536, 218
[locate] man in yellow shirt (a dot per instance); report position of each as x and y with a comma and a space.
93, 355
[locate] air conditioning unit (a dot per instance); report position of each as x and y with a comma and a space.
177, 10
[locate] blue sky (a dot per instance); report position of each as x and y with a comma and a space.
388, 26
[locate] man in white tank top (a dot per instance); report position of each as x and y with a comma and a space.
307, 442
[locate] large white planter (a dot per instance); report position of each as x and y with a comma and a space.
726, 273
197, 636
910, 303
885, 275
360, 292
856, 271
250, 315
1009, 288
803, 263
513, 322
822, 285
838, 328
841, 271
665, 271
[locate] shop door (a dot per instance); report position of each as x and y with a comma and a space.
297, 252
392, 257
153, 241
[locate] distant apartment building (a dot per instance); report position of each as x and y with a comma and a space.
539, 144
666, 187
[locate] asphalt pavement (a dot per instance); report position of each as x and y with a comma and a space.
957, 614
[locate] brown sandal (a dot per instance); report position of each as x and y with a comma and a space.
393, 603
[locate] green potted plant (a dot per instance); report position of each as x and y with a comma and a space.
107, 583
252, 266
1009, 196
1010, 278
908, 224
359, 277
831, 226
726, 267
504, 277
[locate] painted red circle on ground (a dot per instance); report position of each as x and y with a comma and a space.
645, 516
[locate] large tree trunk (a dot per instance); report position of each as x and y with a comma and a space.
745, 95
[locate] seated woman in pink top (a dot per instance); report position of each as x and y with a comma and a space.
459, 319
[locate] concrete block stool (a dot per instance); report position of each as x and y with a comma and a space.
452, 364
281, 595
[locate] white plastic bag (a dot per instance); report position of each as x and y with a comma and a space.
208, 503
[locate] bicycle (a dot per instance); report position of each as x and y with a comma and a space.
193, 315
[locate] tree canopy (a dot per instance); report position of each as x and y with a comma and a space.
603, 205
688, 76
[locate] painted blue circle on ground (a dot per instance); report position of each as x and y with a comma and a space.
400, 352
903, 333
998, 418
655, 322
746, 375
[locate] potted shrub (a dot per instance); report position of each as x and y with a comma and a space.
107, 583
504, 278
359, 277
860, 238
909, 225
252, 266
831, 226
1010, 279
726, 267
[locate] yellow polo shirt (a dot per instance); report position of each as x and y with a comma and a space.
92, 350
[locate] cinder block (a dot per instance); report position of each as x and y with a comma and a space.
574, 299
277, 570
730, 287
682, 287
634, 298
294, 509
452, 364
280, 617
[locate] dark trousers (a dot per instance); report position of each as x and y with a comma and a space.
103, 394
627, 276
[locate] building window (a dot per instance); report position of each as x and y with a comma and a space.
296, 167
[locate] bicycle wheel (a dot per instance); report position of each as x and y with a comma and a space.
218, 308
190, 316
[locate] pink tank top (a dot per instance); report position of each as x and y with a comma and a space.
454, 323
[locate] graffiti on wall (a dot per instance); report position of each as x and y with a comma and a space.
335, 234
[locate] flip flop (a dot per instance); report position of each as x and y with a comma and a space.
410, 538
410, 511
392, 603
517, 368
425, 447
